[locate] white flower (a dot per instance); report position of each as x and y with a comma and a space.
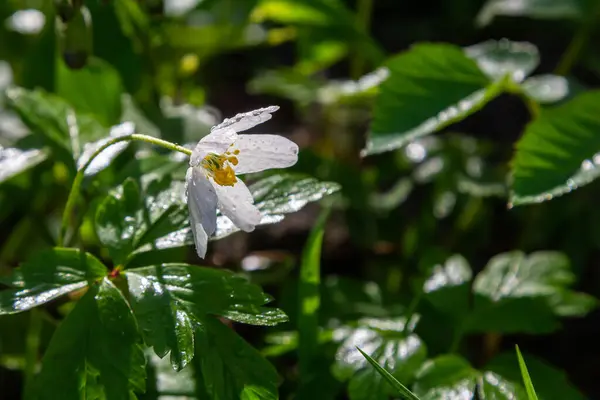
211, 180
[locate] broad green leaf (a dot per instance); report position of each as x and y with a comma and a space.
557, 152
95, 89
14, 161
169, 299
521, 293
132, 218
451, 377
449, 285
390, 344
230, 367
400, 388
56, 121
103, 160
550, 382
48, 275
541, 9
546, 88
526, 379
274, 196
429, 87
96, 353
309, 299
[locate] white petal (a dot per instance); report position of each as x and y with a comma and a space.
216, 142
261, 152
202, 205
237, 204
248, 120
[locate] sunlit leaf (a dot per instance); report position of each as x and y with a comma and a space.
169, 299
14, 161
429, 87
448, 286
48, 275
546, 88
400, 388
519, 293
498, 58
390, 344
550, 382
103, 159
452, 377
230, 367
558, 151
96, 352
542, 9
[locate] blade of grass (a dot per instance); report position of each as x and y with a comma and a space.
309, 299
402, 390
531, 395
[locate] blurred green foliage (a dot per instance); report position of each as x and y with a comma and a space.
452, 146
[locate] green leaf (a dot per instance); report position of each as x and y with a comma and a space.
557, 151
429, 87
550, 381
452, 377
274, 196
96, 353
169, 299
390, 344
95, 89
546, 89
400, 388
131, 218
449, 285
526, 379
309, 299
55, 121
499, 58
519, 293
231, 368
48, 275
103, 160
15, 161
540, 9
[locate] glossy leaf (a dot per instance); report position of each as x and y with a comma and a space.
391, 345
53, 119
274, 196
557, 151
131, 218
169, 299
429, 87
309, 300
47, 276
550, 382
95, 89
452, 377
103, 160
230, 367
14, 161
499, 58
516, 292
400, 388
546, 89
541, 9
448, 286
96, 352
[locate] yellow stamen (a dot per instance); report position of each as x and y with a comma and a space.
219, 168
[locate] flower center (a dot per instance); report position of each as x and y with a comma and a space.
219, 167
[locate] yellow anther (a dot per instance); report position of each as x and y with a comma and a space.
219, 168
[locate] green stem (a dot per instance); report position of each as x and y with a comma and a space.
578, 43
75, 188
32, 346
363, 21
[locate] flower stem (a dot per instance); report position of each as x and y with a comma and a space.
75, 188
